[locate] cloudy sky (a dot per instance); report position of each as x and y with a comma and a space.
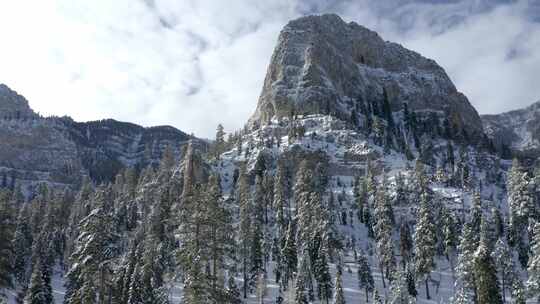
195, 63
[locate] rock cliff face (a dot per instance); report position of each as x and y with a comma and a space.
322, 65
60, 151
515, 132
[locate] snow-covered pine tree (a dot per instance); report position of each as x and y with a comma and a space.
245, 229
124, 272
257, 254
465, 263
533, 269
233, 293
425, 241
300, 293
39, 290
377, 297
365, 278
521, 208
280, 203
405, 243
95, 250
399, 293
7, 229
505, 265
289, 254
383, 233
462, 296
339, 296
22, 243
219, 144
360, 197
450, 236
322, 275
485, 273
519, 292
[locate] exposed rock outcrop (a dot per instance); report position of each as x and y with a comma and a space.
323, 65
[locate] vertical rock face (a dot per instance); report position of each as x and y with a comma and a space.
13, 105
323, 65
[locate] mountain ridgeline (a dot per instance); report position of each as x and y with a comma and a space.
61, 151
363, 176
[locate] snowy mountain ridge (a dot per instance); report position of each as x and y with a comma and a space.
516, 131
61, 151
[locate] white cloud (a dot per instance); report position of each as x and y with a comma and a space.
193, 64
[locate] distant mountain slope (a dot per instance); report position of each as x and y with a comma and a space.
516, 131
61, 151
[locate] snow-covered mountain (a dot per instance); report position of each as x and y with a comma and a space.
516, 131
60, 151
362, 174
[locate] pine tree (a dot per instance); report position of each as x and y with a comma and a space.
22, 243
339, 297
300, 293
322, 275
233, 293
450, 237
519, 202
461, 297
220, 140
405, 243
465, 261
96, 248
7, 229
124, 274
518, 291
533, 269
505, 265
383, 232
245, 231
399, 293
485, 274
365, 278
38, 291
376, 297
411, 281
425, 241
360, 197
289, 254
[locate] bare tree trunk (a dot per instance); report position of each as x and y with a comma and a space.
427, 289
382, 276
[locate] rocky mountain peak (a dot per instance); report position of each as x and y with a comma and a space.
323, 65
13, 105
